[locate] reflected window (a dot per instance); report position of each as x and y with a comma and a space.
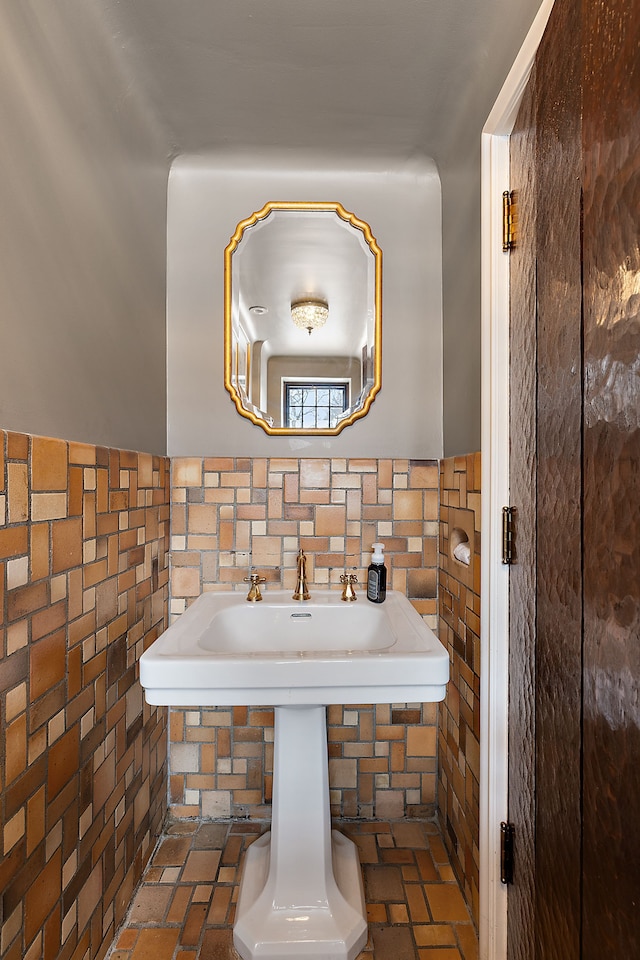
314, 406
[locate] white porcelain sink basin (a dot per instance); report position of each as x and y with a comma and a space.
225, 651
301, 895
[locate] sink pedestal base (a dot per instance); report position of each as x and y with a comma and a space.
301, 893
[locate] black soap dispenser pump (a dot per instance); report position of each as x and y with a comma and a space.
377, 575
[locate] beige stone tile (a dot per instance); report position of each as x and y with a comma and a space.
17, 492
202, 518
267, 551
48, 506
330, 521
185, 581
408, 505
186, 471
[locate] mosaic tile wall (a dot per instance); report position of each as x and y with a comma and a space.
84, 536
228, 514
459, 714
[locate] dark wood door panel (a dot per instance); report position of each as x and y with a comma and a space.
611, 144
558, 522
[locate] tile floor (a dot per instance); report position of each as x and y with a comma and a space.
415, 909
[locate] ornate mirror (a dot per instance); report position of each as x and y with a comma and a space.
303, 318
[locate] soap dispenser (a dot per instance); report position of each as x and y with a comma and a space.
377, 575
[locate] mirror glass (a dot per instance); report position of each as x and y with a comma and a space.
303, 318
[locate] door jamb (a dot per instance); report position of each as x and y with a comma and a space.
494, 647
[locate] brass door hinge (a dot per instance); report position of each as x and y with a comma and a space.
507, 534
508, 220
506, 852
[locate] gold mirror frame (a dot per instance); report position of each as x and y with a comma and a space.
370, 240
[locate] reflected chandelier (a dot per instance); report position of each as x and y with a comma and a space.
309, 314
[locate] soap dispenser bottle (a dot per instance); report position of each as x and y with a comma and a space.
377, 575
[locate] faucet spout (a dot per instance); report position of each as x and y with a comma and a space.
301, 592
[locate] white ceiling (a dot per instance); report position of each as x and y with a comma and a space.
384, 78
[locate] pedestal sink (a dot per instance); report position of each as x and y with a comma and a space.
301, 893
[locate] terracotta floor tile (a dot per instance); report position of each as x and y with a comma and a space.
203, 892
417, 906
181, 899
156, 944
385, 841
446, 902
211, 836
367, 848
127, 939
201, 866
393, 943
184, 827
396, 855
192, 927
440, 953
172, 851
426, 866
438, 851
232, 851
434, 935
383, 882
150, 903
248, 826
468, 940
398, 913
193, 881
219, 905
218, 945
376, 913
410, 834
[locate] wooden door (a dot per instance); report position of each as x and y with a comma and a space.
574, 712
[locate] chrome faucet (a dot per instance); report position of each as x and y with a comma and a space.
301, 592
254, 590
348, 591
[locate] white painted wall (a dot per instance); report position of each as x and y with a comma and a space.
83, 173
208, 195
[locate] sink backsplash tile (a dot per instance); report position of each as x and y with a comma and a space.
229, 514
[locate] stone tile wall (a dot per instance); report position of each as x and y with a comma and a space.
459, 714
84, 536
230, 514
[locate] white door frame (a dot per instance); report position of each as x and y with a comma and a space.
494, 678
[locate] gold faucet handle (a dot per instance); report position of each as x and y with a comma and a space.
254, 590
348, 579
